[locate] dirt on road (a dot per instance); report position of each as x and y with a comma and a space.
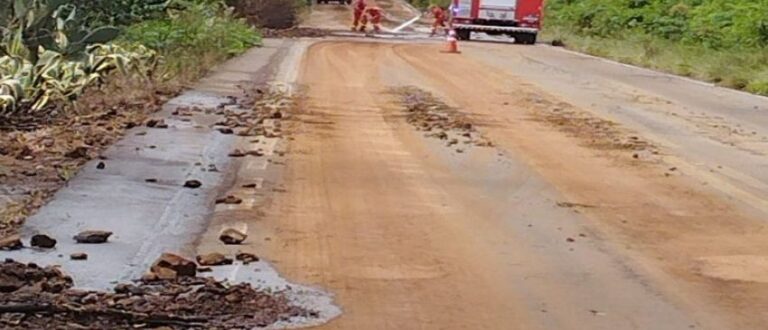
568, 221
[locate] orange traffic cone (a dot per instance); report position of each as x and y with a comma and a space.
453, 44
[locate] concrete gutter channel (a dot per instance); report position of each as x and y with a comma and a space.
151, 218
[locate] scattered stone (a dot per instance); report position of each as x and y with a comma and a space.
193, 184
93, 237
213, 259
150, 180
31, 279
249, 185
255, 153
149, 277
236, 153
229, 200
34, 297
42, 241
246, 258
78, 256
231, 236
11, 243
570, 240
101, 166
294, 32
204, 269
226, 131
79, 152
171, 266
427, 113
157, 123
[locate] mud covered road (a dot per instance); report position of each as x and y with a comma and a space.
569, 220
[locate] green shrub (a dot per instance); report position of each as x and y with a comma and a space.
426, 3
719, 41
194, 37
273, 14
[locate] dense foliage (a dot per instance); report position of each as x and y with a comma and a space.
714, 23
426, 3
120, 12
715, 40
194, 33
51, 51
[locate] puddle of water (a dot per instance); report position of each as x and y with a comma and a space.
261, 275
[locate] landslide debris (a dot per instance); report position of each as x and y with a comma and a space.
246, 258
92, 237
593, 131
295, 32
438, 120
34, 297
12, 242
171, 266
214, 259
42, 241
231, 236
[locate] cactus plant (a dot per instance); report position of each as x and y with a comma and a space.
30, 87
51, 24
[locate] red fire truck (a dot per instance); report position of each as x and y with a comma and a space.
519, 19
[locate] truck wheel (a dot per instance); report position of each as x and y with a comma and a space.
463, 34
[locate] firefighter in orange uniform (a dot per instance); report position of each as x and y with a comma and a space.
359, 8
372, 14
439, 15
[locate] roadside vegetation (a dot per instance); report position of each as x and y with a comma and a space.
725, 42
54, 51
423, 4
